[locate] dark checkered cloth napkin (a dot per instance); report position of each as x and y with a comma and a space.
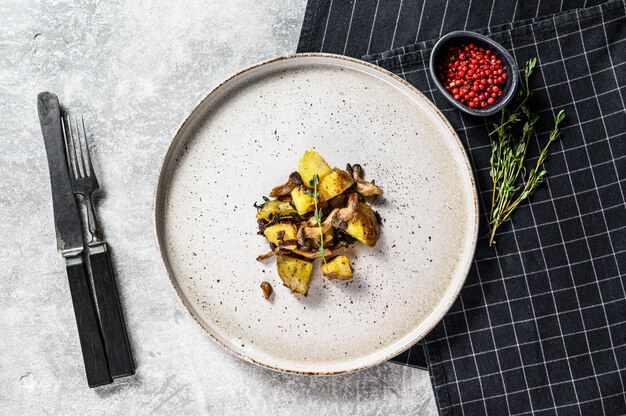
540, 326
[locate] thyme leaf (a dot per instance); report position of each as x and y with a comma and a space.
317, 214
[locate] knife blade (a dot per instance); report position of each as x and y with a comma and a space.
66, 219
70, 242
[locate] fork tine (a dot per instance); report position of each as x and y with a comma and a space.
67, 148
78, 149
71, 145
75, 146
86, 155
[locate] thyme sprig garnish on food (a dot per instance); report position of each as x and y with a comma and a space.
509, 154
317, 214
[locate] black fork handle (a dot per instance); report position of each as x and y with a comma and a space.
91, 343
111, 317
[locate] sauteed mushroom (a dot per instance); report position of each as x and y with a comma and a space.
286, 188
363, 187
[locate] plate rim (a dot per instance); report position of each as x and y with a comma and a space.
157, 198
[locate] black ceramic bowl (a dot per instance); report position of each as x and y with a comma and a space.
464, 37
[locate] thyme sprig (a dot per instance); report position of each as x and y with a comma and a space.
317, 214
508, 155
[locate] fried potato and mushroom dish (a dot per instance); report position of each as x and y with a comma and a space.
317, 213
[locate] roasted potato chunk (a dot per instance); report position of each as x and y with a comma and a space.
335, 183
282, 235
302, 201
337, 268
295, 273
364, 225
271, 208
312, 164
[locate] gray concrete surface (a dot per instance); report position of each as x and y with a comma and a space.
135, 69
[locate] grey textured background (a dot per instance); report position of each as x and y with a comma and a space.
135, 69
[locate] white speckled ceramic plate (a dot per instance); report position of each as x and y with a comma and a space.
244, 138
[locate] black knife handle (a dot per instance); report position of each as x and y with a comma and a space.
111, 317
91, 343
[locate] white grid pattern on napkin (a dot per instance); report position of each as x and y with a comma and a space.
546, 200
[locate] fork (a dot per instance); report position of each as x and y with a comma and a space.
85, 183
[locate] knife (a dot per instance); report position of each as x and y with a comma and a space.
70, 242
